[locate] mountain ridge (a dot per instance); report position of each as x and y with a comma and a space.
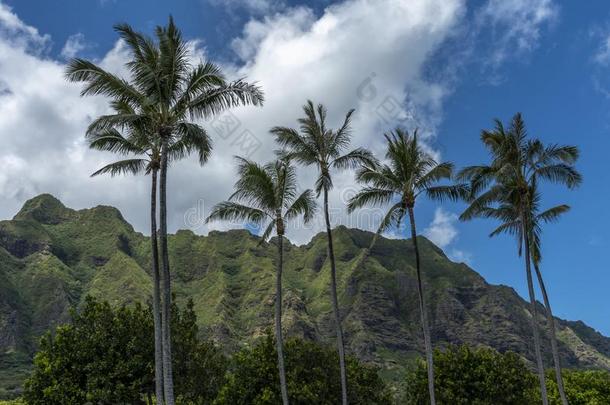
51, 257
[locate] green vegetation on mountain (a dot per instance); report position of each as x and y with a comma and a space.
230, 277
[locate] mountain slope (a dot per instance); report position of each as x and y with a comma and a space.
51, 257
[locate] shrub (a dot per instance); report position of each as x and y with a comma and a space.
472, 377
312, 373
106, 355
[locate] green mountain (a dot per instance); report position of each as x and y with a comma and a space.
51, 257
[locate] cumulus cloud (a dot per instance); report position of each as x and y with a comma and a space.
333, 59
74, 45
460, 256
602, 56
443, 232
370, 55
514, 26
257, 7
15, 33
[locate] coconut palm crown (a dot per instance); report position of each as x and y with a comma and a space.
409, 173
266, 195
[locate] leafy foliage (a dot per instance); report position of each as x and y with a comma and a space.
312, 374
106, 355
583, 387
472, 377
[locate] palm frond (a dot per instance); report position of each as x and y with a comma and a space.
255, 186
304, 205
214, 101
297, 148
437, 172
268, 231
340, 139
394, 216
232, 211
455, 192
111, 140
560, 173
552, 214
355, 158
191, 138
127, 166
512, 228
370, 196
100, 82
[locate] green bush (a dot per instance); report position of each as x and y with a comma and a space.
106, 355
583, 387
312, 374
472, 377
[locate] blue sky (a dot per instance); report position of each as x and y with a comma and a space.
471, 62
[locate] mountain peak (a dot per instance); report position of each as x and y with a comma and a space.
45, 209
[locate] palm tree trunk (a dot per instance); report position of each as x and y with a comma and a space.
422, 310
551, 321
530, 287
168, 383
156, 291
335, 301
278, 320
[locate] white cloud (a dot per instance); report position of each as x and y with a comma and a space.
602, 55
257, 6
365, 54
74, 45
14, 32
460, 256
334, 59
515, 25
442, 231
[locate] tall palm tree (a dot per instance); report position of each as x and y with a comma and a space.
319, 146
506, 189
165, 91
410, 172
146, 159
268, 194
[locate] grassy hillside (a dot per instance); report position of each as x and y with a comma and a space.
51, 257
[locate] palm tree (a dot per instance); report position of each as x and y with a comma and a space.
138, 143
410, 172
316, 145
165, 91
506, 189
268, 194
